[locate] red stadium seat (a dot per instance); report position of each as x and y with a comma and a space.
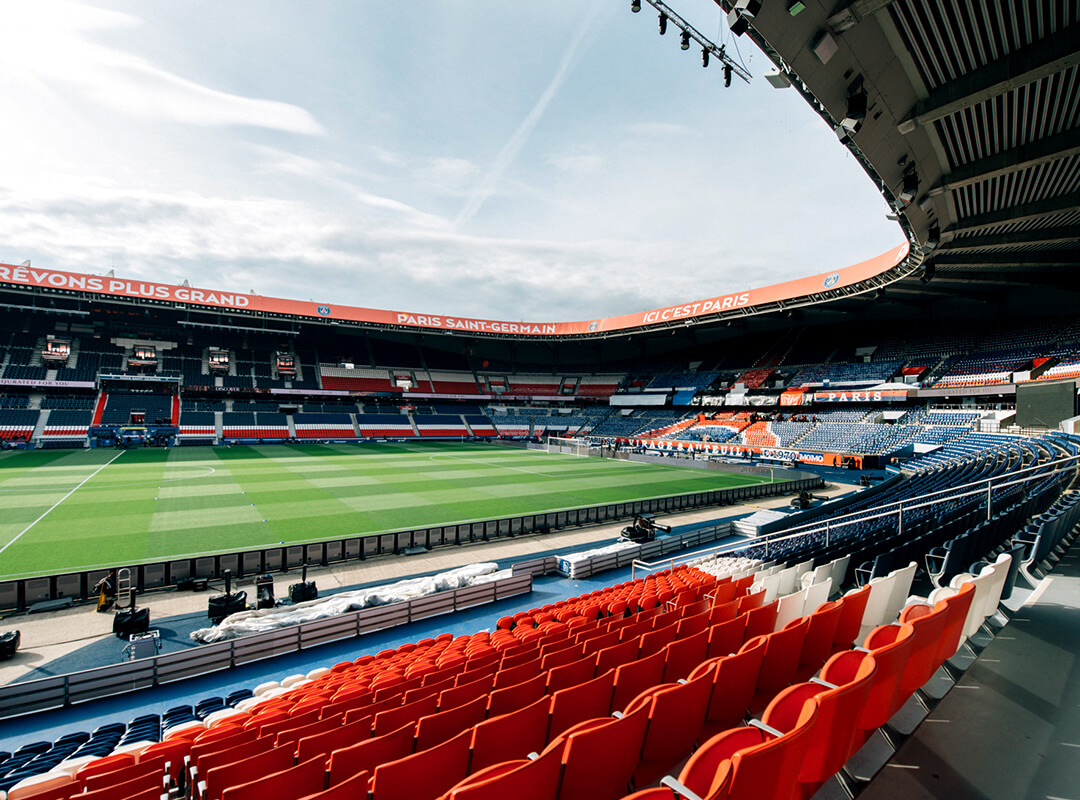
676, 716
749, 763
503, 701
617, 655
367, 755
734, 683
599, 760
575, 704
299, 781
437, 728
682, 656
637, 676
580, 671
523, 779
424, 775
510, 736
350, 789
847, 628
780, 665
761, 620
656, 640
818, 644
727, 637
322, 744
215, 781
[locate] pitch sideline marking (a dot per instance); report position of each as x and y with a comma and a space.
61, 500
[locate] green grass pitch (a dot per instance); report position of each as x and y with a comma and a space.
69, 510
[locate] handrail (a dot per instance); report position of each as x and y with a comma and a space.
59, 691
896, 508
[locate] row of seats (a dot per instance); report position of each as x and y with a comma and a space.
264, 714
620, 632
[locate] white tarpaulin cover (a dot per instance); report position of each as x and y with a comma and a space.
246, 623
568, 564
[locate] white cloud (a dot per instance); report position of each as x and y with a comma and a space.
52, 41
631, 180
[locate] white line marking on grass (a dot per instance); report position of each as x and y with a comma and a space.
152, 482
61, 500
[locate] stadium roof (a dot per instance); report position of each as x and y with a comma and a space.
979, 99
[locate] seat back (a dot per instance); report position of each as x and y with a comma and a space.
588, 700
790, 608
322, 744
727, 637
298, 781
781, 661
536, 779
365, 756
922, 663
633, 678
734, 682
770, 585
676, 716
820, 632
835, 733
245, 770
443, 725
761, 619
901, 587
680, 657
851, 617
502, 701
616, 745
510, 736
891, 647
958, 608
425, 775
877, 605
582, 670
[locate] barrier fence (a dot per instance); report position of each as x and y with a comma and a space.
21, 593
59, 691
979, 491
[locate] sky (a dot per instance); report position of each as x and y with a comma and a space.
549, 161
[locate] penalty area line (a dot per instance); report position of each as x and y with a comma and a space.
58, 502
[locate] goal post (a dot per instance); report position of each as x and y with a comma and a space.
568, 445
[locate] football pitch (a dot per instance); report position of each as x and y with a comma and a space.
68, 510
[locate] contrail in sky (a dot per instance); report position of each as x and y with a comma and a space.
488, 183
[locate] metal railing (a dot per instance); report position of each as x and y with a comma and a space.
27, 697
980, 488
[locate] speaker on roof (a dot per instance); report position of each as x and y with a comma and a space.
742, 12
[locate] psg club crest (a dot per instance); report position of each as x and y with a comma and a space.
593, 326
832, 280
324, 311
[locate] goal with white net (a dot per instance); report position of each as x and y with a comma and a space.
568, 445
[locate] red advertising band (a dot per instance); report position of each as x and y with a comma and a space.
121, 287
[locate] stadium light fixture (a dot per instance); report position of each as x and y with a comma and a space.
688, 33
635, 6
727, 75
